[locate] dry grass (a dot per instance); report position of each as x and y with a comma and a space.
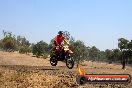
14, 58
24, 71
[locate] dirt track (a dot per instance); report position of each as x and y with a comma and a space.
25, 71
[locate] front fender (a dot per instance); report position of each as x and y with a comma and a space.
69, 51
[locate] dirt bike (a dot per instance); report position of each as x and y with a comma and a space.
62, 53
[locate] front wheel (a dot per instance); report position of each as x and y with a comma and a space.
70, 63
53, 61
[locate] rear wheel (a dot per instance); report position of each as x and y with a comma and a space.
53, 61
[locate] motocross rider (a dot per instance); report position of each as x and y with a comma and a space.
58, 43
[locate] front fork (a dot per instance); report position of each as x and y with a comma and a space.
67, 55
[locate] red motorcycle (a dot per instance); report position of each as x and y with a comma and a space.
62, 53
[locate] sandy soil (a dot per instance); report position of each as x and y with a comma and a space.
14, 58
25, 71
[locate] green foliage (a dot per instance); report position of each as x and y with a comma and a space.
9, 42
94, 53
40, 49
116, 55
122, 43
113, 55
102, 56
68, 36
24, 49
126, 50
1, 45
109, 54
80, 51
23, 45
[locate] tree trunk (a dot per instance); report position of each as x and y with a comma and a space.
123, 60
123, 64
